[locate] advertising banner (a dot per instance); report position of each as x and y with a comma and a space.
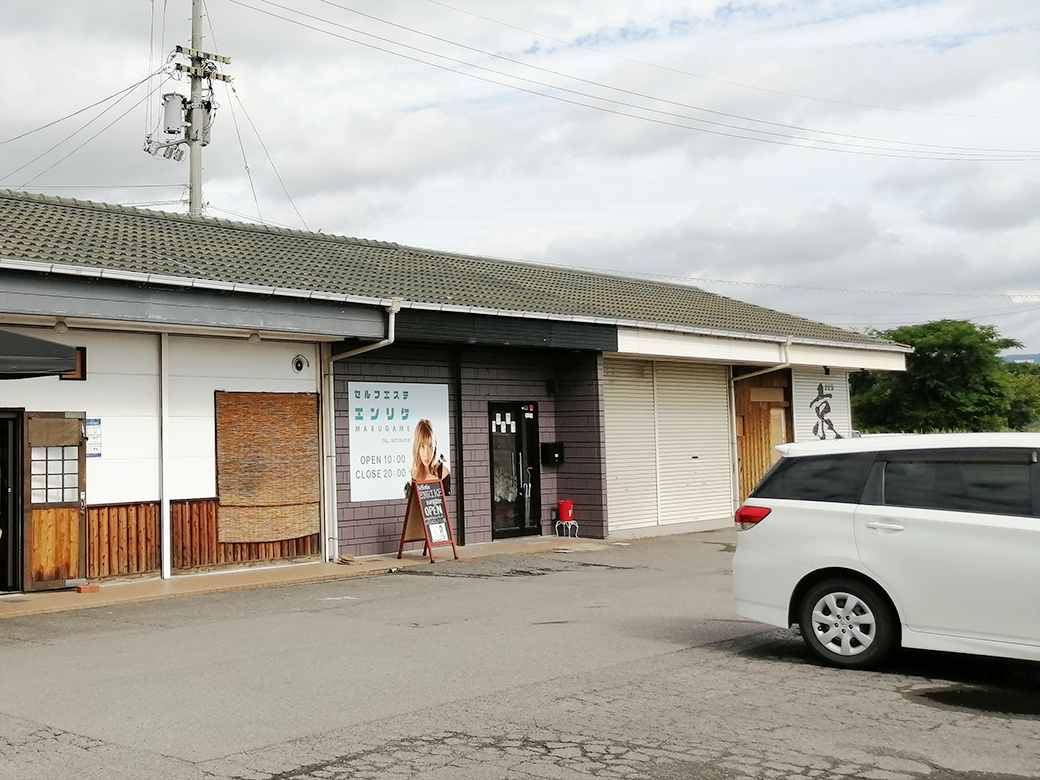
398, 432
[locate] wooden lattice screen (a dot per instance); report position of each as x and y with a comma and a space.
268, 462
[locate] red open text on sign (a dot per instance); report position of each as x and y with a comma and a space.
426, 518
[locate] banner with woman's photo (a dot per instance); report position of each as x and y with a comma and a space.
398, 432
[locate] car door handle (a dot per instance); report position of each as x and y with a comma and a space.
877, 525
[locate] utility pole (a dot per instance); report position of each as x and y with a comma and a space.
195, 121
190, 119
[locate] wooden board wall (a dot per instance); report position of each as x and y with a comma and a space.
195, 542
122, 539
754, 401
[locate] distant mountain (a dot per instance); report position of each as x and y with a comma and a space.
1022, 358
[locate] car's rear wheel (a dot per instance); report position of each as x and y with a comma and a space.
848, 623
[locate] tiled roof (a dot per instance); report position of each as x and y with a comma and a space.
117, 238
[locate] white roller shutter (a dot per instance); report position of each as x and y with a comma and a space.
631, 447
668, 457
820, 398
695, 469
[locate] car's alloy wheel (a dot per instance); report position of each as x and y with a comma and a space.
847, 623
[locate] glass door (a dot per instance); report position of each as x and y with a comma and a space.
515, 488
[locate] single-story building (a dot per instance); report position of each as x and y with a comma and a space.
244, 393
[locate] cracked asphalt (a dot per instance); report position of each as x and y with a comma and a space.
623, 662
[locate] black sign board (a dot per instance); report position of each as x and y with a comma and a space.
426, 518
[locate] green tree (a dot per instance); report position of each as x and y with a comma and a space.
954, 381
1024, 387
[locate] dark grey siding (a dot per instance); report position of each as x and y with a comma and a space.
54, 295
565, 386
481, 330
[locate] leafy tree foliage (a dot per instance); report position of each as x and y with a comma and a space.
1024, 387
954, 381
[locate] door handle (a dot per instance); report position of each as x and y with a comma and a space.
877, 525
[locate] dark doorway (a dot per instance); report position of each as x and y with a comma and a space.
516, 506
10, 500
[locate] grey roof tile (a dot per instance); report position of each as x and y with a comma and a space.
118, 238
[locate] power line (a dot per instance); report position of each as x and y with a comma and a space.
238, 132
952, 149
693, 281
787, 140
105, 186
99, 132
769, 285
85, 108
572, 44
269, 158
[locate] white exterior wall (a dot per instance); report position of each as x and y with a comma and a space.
807, 384
122, 390
196, 368
732, 349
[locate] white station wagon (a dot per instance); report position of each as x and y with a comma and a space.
875, 543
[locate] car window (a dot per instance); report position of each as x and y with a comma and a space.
837, 478
989, 488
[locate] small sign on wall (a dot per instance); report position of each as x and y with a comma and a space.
93, 433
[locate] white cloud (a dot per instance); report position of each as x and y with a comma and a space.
370, 143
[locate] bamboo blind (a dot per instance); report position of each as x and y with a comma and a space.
268, 462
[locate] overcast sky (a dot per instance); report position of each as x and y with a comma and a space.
775, 152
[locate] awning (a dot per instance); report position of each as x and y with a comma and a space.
26, 356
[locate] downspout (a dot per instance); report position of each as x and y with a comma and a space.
391, 320
328, 388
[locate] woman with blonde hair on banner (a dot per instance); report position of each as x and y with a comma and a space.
427, 463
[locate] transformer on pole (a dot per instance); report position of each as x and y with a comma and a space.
189, 119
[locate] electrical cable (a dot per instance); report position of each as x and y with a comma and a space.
99, 132
269, 158
238, 132
952, 149
572, 44
693, 281
85, 108
804, 143
105, 186
266, 222
73, 134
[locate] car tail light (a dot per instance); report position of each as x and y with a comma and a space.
749, 516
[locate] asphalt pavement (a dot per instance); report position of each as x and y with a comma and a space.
615, 661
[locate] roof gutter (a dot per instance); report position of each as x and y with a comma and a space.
785, 347
391, 321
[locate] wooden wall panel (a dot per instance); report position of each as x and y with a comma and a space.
754, 400
195, 542
122, 539
55, 544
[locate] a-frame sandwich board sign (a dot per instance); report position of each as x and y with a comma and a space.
426, 518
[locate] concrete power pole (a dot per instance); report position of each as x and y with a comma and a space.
196, 116
190, 119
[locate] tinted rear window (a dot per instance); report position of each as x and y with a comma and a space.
837, 478
989, 488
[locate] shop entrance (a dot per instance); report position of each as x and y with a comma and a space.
516, 505
10, 500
